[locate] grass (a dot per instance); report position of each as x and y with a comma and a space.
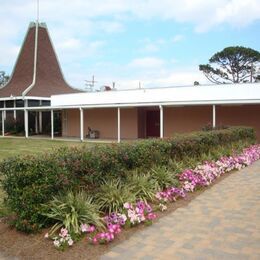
15, 146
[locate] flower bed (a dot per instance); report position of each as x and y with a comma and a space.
141, 212
32, 181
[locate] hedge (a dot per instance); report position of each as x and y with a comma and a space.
31, 181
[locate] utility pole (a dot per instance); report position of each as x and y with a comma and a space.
91, 83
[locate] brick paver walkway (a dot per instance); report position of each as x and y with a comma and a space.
221, 223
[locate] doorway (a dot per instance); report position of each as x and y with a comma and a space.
153, 123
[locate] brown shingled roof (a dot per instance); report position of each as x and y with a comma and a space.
49, 78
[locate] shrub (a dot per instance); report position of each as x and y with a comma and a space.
29, 182
142, 185
164, 177
71, 210
112, 195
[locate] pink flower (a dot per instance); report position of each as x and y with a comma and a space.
46, 235
151, 216
63, 232
70, 242
91, 229
56, 243
84, 228
127, 205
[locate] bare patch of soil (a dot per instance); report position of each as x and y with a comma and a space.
34, 246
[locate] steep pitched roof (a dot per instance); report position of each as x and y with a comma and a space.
49, 79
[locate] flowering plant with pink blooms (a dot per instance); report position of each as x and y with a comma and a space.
134, 214
63, 240
139, 212
205, 174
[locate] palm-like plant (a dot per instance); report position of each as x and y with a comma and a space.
164, 177
71, 210
112, 195
143, 186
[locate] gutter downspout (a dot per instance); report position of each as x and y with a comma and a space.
35, 61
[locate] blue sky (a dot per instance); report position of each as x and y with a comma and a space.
158, 43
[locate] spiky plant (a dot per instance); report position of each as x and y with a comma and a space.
142, 185
112, 195
164, 177
71, 210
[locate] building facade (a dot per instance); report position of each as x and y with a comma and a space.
38, 101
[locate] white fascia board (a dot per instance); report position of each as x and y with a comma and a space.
24, 98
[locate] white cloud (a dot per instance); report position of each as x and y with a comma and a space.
180, 77
177, 38
110, 27
146, 62
71, 43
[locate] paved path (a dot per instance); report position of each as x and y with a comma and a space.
221, 223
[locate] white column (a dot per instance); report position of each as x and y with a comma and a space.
36, 123
118, 126
26, 127
4, 110
161, 121
3, 123
214, 116
14, 110
81, 124
40, 119
52, 125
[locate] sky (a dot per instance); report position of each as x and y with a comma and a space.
154, 43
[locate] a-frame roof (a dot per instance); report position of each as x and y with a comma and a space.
37, 71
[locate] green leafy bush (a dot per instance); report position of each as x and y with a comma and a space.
29, 182
70, 210
142, 185
112, 195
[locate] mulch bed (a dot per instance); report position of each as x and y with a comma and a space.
34, 246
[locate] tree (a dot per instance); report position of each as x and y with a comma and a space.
232, 65
3, 78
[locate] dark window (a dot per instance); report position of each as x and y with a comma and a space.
46, 103
19, 103
33, 103
9, 103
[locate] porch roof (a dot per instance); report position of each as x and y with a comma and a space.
192, 95
235, 94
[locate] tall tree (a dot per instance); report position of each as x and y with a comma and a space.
232, 65
3, 78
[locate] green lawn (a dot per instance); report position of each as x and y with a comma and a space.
16, 146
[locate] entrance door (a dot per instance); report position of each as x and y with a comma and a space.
152, 123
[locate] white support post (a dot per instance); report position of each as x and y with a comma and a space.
14, 110
81, 124
3, 123
26, 121
214, 116
118, 126
161, 121
52, 125
36, 123
4, 110
40, 119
